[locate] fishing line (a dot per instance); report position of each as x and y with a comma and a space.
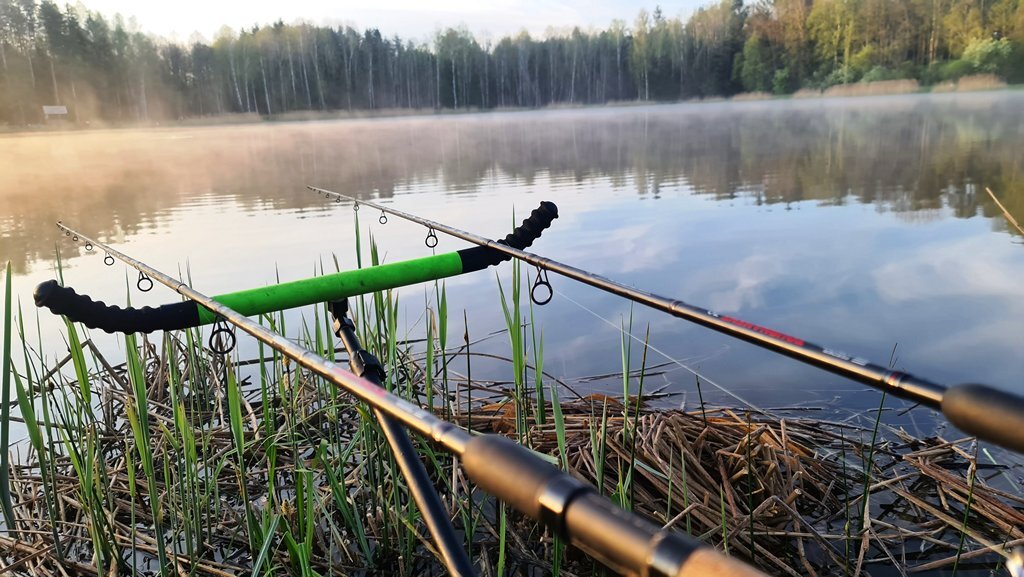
683, 365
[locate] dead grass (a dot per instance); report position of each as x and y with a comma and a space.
748, 96
905, 86
807, 93
980, 82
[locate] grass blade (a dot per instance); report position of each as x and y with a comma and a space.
5, 412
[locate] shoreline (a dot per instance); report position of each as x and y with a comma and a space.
248, 119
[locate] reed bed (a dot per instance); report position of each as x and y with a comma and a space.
980, 82
874, 88
256, 468
181, 461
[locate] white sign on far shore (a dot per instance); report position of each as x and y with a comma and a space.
55, 110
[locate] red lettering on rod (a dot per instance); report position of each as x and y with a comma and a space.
764, 331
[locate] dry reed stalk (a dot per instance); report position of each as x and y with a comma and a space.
1006, 213
797, 475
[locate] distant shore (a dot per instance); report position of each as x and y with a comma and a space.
976, 83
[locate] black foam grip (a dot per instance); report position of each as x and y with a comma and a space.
113, 319
481, 257
989, 414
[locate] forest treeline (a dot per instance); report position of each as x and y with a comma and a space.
111, 72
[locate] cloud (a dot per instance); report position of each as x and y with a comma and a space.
748, 280
952, 269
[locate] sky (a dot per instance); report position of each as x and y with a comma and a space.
412, 19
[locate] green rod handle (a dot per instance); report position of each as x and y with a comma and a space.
337, 286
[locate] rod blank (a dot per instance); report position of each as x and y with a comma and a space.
973, 408
435, 517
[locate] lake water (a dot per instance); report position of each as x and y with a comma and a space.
860, 224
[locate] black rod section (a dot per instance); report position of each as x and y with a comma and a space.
367, 366
971, 410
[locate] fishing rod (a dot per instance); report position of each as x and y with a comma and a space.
288, 295
619, 539
980, 410
326, 288
64, 300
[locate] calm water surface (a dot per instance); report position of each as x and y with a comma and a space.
860, 224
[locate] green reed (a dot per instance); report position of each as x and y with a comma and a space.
138, 418
537, 347
512, 309
972, 474
39, 436
5, 410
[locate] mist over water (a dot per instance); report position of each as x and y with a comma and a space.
862, 224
